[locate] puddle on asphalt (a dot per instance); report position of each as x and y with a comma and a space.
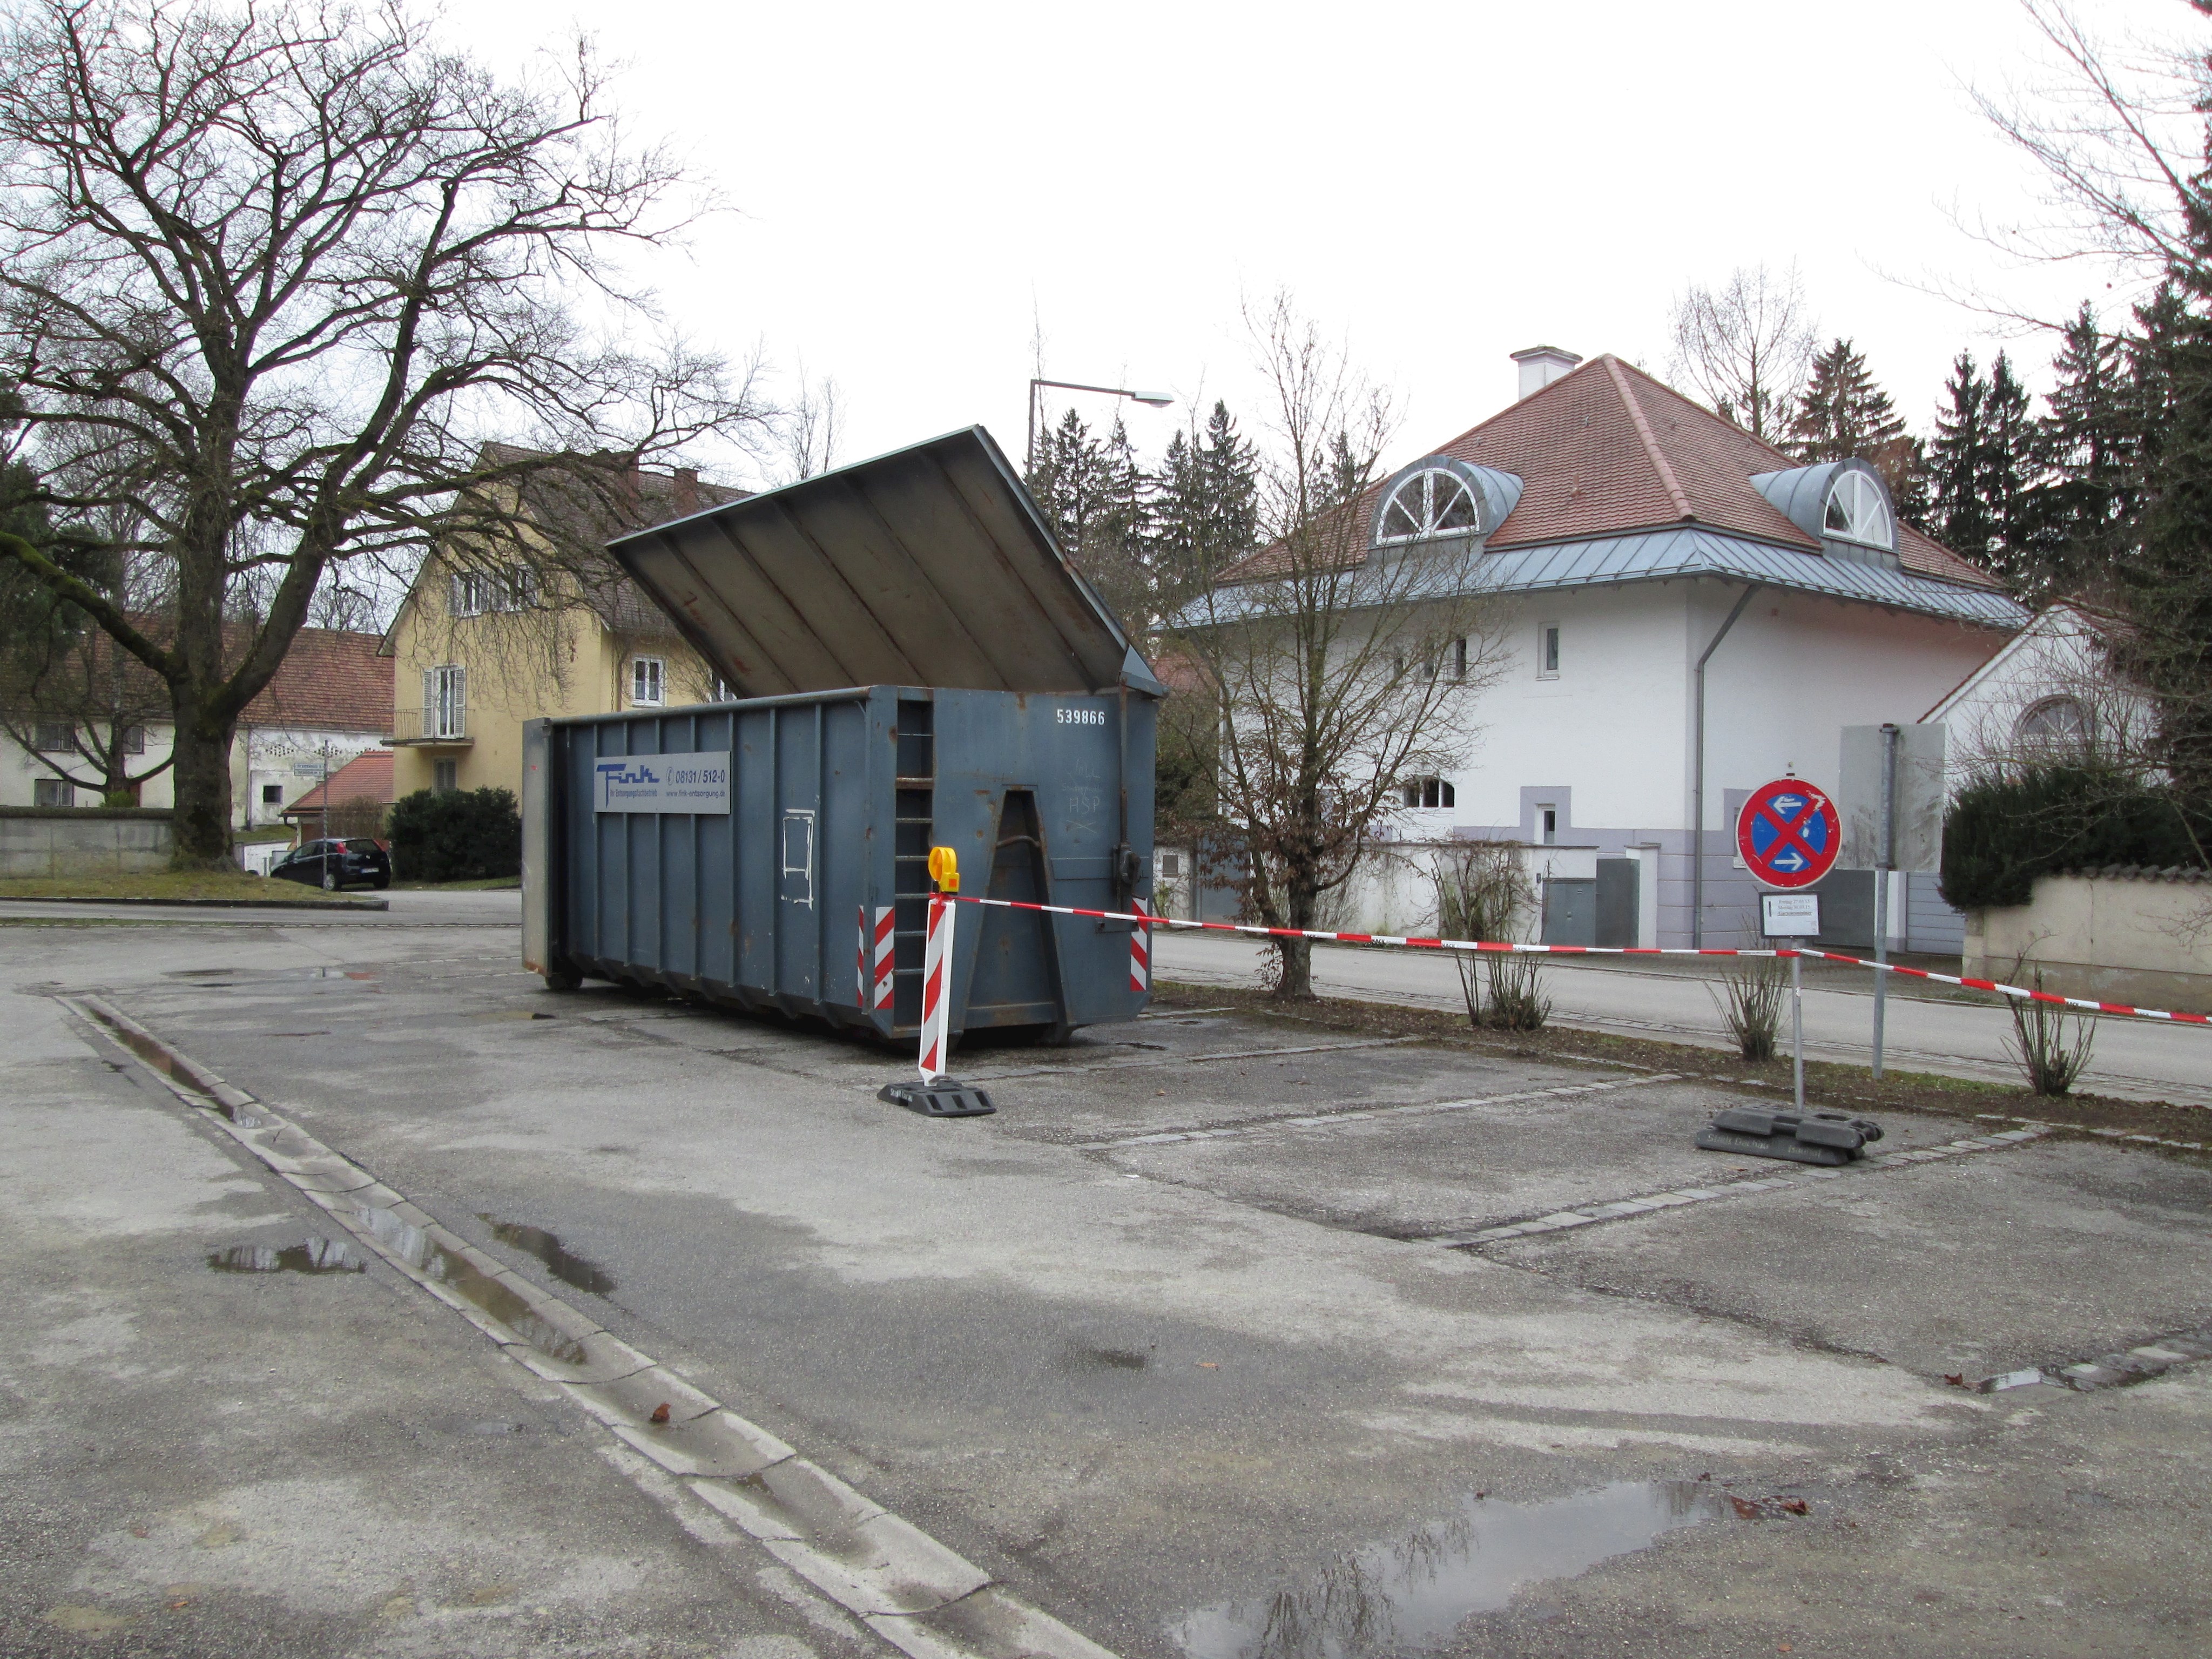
216, 979
316, 1255
1082, 1357
562, 1263
1411, 1593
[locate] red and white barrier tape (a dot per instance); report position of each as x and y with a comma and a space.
1145, 921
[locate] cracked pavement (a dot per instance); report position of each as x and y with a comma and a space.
1230, 1395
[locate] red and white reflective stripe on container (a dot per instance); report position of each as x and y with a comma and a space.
1140, 949
1996, 987
876, 981
936, 987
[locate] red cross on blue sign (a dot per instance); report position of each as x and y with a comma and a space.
1787, 832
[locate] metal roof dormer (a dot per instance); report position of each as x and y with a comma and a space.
1844, 504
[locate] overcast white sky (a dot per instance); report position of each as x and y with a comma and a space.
915, 188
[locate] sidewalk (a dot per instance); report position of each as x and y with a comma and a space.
200, 1458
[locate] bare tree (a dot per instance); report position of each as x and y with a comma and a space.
2117, 134
1335, 672
809, 435
1746, 347
270, 278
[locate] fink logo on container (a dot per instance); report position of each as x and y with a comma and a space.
662, 783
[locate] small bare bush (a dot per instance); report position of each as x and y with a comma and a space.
1483, 892
2050, 1044
1751, 998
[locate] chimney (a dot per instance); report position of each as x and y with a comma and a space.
687, 490
1541, 365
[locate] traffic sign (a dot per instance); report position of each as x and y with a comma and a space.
1788, 832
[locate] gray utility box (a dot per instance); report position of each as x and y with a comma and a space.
773, 853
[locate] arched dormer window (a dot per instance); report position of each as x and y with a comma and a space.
1842, 505
1859, 511
2057, 725
1440, 496
1434, 503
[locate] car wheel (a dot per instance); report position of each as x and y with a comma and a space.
330, 881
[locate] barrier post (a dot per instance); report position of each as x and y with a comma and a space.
1797, 1026
936, 989
1885, 855
937, 1095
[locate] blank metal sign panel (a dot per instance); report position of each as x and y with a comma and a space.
929, 566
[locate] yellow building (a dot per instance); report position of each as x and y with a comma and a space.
480, 648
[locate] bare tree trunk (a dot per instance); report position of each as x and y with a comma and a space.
1295, 982
201, 819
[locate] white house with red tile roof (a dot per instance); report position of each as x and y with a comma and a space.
1629, 535
329, 701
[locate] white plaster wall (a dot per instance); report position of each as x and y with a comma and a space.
258, 755
1609, 726
1610, 738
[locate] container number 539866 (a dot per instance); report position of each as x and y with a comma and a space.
1080, 716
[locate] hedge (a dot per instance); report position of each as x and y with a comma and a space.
456, 835
2010, 826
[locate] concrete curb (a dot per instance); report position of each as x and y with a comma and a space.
211, 903
919, 1595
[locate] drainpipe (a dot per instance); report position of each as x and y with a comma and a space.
1697, 782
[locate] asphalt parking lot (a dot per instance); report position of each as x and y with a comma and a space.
1224, 1337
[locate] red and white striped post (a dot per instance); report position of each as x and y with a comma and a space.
875, 972
937, 965
1140, 948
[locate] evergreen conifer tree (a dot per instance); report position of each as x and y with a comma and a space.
2159, 580
2008, 473
1842, 413
1958, 515
2086, 452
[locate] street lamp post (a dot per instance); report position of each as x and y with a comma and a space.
1150, 399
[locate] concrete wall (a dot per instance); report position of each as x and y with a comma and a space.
82, 842
2117, 938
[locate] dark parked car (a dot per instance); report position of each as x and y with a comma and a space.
330, 865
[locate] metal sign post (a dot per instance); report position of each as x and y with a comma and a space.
1885, 858
1793, 916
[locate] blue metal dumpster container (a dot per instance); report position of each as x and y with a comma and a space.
760, 853
834, 800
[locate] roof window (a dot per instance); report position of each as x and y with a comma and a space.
1430, 504
1441, 496
1859, 511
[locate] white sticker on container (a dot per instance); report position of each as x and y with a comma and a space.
661, 783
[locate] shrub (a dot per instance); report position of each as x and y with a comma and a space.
2016, 823
1751, 999
2049, 1043
458, 834
1482, 893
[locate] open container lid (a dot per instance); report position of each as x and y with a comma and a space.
930, 566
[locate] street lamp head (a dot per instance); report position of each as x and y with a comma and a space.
1153, 400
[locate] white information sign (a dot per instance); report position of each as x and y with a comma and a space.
662, 783
1789, 915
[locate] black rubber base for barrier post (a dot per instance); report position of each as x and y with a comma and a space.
1823, 1138
941, 1097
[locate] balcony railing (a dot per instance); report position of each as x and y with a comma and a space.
439, 722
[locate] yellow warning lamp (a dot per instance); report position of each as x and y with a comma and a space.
945, 869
